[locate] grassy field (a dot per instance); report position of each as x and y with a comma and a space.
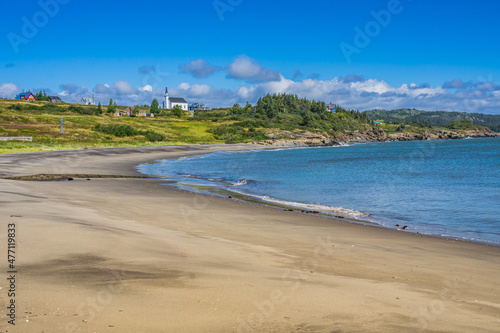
40, 120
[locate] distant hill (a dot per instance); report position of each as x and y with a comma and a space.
434, 118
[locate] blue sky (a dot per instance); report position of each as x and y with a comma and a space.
432, 55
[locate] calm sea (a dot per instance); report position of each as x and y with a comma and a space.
446, 188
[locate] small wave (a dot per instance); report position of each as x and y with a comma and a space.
312, 207
239, 183
243, 182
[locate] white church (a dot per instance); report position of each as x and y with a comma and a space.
170, 102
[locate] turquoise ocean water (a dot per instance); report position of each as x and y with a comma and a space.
446, 188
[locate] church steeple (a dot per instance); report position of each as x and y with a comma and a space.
166, 100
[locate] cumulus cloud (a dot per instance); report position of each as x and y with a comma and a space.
456, 84
146, 88
353, 92
199, 68
486, 86
205, 94
119, 88
9, 90
372, 93
69, 88
248, 69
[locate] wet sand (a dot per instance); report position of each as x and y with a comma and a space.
133, 255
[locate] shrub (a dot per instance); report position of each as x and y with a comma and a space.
80, 110
116, 130
17, 107
154, 137
463, 125
234, 133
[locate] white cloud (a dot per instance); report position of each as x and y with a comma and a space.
250, 70
195, 89
147, 87
199, 68
9, 90
361, 94
124, 88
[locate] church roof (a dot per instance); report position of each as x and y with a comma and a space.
177, 100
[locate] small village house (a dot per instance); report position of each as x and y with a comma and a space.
27, 96
124, 113
331, 107
54, 99
198, 107
128, 113
143, 113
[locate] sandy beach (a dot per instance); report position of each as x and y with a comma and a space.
134, 255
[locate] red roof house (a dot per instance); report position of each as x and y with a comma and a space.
27, 96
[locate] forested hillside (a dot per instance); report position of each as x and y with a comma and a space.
434, 118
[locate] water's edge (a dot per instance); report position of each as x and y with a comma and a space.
296, 207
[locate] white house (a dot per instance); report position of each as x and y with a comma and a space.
170, 102
331, 107
198, 106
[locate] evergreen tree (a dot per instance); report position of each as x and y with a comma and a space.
111, 106
99, 109
154, 106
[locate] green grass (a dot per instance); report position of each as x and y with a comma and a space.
40, 121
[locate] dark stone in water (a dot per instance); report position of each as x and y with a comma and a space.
70, 179
230, 197
404, 227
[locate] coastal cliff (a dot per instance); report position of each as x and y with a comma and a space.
308, 139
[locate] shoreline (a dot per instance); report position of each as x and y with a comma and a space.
308, 209
153, 258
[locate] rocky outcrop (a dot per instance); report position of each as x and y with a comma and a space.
442, 134
307, 139
298, 139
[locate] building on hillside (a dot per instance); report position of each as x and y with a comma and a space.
198, 107
54, 99
27, 96
143, 113
124, 113
170, 102
331, 107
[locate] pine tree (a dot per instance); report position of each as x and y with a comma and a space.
111, 106
154, 106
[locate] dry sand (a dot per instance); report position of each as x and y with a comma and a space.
133, 255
